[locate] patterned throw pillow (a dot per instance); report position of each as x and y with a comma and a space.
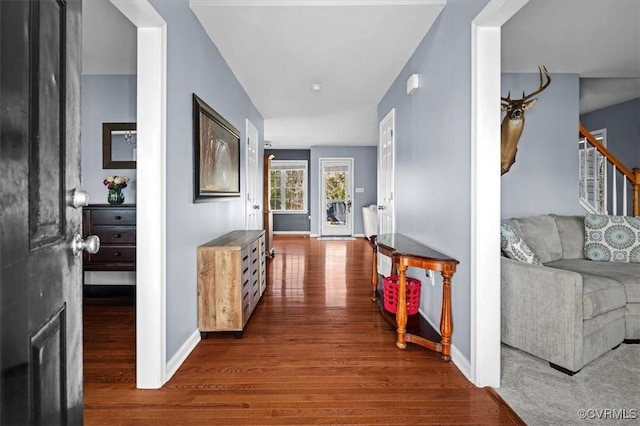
515, 247
612, 238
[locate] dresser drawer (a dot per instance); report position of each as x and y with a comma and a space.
113, 216
114, 254
115, 225
115, 234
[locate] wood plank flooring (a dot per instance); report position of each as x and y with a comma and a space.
316, 351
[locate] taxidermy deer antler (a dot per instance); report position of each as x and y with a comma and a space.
513, 121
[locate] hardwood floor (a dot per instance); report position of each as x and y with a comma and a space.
316, 351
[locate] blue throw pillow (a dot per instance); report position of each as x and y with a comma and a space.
612, 238
515, 247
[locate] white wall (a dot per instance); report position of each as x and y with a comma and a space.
433, 150
194, 65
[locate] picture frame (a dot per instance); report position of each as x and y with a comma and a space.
216, 147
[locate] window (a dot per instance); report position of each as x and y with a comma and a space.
289, 186
592, 174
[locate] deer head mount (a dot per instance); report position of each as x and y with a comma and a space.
513, 121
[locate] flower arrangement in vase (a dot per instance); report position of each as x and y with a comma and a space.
115, 185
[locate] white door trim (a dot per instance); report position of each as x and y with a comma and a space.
485, 190
151, 202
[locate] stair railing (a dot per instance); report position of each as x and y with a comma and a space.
630, 179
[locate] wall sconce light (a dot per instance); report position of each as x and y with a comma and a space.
412, 84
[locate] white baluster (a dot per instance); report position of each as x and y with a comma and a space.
624, 196
615, 190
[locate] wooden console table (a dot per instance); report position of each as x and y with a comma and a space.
406, 252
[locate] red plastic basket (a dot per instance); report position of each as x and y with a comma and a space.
390, 294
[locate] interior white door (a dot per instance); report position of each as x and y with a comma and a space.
336, 196
386, 174
252, 178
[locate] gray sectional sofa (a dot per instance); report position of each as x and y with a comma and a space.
568, 310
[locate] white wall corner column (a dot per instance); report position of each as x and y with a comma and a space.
151, 203
485, 190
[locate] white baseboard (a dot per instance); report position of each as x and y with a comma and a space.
461, 362
290, 232
457, 358
176, 361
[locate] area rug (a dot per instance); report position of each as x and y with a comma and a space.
336, 238
605, 391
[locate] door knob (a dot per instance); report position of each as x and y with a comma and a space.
380, 207
79, 198
257, 207
91, 244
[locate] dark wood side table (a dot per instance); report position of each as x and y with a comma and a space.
406, 252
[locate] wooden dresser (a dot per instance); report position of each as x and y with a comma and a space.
115, 225
231, 280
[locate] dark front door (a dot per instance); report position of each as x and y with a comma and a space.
40, 278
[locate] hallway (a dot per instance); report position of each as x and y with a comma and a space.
316, 350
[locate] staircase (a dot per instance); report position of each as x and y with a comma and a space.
606, 185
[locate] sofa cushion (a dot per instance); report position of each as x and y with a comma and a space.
612, 238
571, 231
541, 234
606, 285
515, 247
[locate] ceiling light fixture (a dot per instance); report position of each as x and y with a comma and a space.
316, 87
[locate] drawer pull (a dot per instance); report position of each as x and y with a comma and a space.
117, 254
117, 235
118, 217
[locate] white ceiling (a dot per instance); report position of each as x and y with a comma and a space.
355, 48
597, 39
108, 39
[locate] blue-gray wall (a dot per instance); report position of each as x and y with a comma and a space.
544, 178
194, 65
433, 152
622, 122
365, 165
105, 99
288, 222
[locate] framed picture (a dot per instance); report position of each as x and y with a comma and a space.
216, 147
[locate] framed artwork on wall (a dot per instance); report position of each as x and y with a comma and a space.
216, 147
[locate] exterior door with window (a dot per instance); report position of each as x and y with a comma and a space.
41, 284
336, 196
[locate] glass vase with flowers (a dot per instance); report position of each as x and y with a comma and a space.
115, 185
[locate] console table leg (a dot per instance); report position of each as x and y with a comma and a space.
446, 321
401, 310
374, 269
